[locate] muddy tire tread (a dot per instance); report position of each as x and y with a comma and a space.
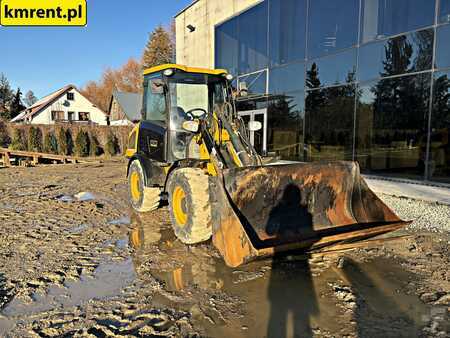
200, 220
151, 198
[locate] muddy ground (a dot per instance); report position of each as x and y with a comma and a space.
84, 265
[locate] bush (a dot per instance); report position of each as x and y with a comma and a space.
34, 139
5, 140
112, 145
65, 142
18, 141
95, 150
62, 142
69, 142
82, 144
50, 143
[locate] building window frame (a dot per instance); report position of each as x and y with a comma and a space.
57, 115
84, 116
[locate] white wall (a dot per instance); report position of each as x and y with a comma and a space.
196, 49
79, 104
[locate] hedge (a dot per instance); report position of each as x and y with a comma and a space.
67, 139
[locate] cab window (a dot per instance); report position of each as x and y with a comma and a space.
154, 101
187, 94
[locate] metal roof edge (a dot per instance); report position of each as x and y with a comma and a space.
186, 8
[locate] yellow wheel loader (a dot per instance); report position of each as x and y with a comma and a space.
192, 151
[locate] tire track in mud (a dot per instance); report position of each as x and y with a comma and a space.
55, 250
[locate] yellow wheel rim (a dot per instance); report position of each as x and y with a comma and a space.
135, 182
178, 205
135, 239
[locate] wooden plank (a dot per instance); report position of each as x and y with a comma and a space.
28, 153
35, 160
6, 159
36, 155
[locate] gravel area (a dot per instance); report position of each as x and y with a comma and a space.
433, 217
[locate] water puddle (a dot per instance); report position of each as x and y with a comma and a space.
125, 220
108, 280
279, 297
78, 229
122, 243
5, 326
84, 196
7, 206
268, 298
65, 198
80, 197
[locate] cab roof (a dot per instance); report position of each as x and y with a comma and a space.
185, 69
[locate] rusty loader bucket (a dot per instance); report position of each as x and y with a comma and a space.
261, 211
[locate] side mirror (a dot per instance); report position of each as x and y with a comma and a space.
243, 89
157, 86
191, 126
254, 125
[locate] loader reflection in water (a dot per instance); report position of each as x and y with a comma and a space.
284, 297
290, 311
174, 269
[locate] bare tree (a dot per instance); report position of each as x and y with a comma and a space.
128, 78
30, 98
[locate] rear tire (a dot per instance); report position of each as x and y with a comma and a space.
142, 198
189, 205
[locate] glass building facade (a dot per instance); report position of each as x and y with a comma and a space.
363, 80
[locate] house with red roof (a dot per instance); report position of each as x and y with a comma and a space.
66, 105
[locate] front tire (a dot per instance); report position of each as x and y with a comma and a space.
142, 198
189, 205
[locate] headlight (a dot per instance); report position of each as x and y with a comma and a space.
229, 77
168, 72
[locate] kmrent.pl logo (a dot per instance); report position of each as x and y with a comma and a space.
43, 13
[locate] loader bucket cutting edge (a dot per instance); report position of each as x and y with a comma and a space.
304, 206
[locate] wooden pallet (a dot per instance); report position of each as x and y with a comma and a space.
7, 154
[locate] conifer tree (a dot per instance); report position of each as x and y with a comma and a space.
34, 139
16, 104
82, 144
50, 143
95, 149
159, 49
4, 135
18, 141
6, 96
111, 146
62, 142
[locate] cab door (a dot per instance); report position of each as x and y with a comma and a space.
153, 128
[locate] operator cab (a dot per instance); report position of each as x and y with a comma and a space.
173, 95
